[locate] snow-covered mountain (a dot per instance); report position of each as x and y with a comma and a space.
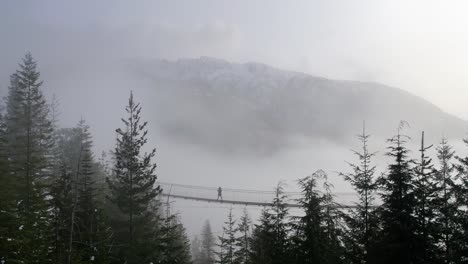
251, 106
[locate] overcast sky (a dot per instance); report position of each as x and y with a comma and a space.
419, 46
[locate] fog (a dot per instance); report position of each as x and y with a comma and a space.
84, 50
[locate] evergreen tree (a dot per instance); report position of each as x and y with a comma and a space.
92, 230
280, 226
262, 240
8, 216
425, 194
448, 208
316, 233
195, 250
243, 240
362, 221
175, 247
334, 252
61, 192
397, 238
270, 238
207, 246
29, 137
64, 191
460, 235
227, 241
132, 189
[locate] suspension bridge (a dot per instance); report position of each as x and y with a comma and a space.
246, 197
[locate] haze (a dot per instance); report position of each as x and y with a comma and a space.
81, 47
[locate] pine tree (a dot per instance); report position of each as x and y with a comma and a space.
243, 240
262, 240
7, 199
334, 251
397, 238
270, 238
92, 230
425, 194
280, 226
227, 246
132, 189
447, 206
316, 233
362, 221
64, 191
29, 137
207, 245
61, 192
175, 246
460, 234
195, 250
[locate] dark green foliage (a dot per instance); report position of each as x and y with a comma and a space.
270, 238
447, 206
459, 247
425, 194
132, 189
52, 207
61, 192
28, 133
279, 217
317, 233
92, 232
362, 221
398, 236
243, 239
8, 226
80, 229
227, 242
174, 244
262, 240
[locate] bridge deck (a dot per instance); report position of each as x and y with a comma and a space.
202, 199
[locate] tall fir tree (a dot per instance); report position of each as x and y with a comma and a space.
425, 211
61, 193
398, 234
29, 138
280, 226
92, 231
261, 242
132, 189
460, 236
227, 242
362, 221
447, 207
316, 233
207, 245
174, 244
269, 241
7, 199
243, 239
64, 192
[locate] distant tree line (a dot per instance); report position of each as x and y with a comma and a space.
61, 204
415, 212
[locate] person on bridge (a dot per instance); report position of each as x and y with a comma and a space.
220, 194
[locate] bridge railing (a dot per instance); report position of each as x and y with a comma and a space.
243, 195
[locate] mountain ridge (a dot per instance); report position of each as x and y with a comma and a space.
261, 107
